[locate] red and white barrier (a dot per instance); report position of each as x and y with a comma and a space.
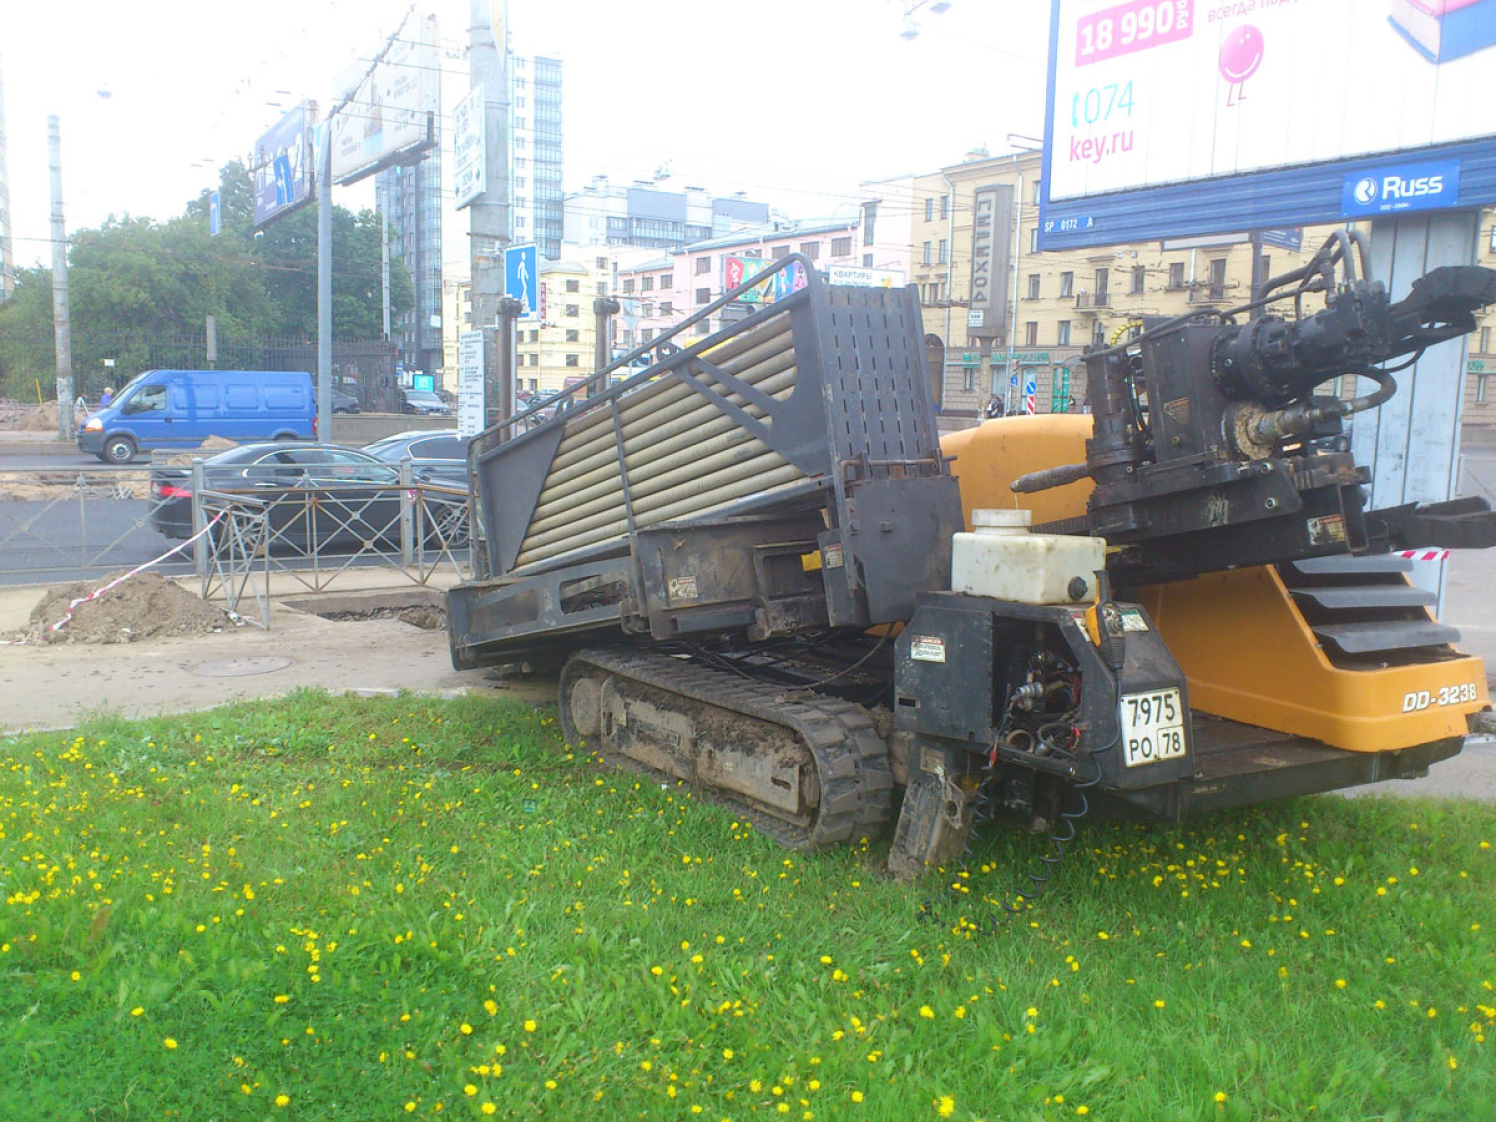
1424, 554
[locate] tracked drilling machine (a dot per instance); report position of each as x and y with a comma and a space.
740, 565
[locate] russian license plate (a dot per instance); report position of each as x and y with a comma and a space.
1152, 727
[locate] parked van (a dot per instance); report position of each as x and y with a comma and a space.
179, 409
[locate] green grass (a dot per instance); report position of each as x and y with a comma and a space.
374, 907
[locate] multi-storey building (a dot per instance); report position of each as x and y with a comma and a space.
557, 350
535, 157
410, 198
642, 214
658, 291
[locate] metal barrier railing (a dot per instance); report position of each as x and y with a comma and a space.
314, 535
82, 523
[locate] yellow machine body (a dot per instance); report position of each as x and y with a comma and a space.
1244, 646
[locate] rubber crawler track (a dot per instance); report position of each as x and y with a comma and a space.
851, 759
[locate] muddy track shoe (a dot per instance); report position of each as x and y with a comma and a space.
807, 770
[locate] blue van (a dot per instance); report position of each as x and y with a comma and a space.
179, 409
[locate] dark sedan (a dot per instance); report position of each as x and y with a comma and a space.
438, 455
357, 496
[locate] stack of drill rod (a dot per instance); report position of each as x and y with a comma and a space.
684, 457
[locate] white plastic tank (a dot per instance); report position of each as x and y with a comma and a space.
1004, 559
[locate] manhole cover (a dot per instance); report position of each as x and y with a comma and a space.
241, 667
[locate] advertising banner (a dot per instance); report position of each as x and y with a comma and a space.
391, 115
736, 270
991, 259
282, 165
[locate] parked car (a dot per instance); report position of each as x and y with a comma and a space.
344, 402
348, 510
425, 403
179, 409
438, 454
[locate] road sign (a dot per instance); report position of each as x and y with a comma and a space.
215, 214
1029, 389
470, 384
470, 154
522, 278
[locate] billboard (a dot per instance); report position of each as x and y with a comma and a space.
865, 278
736, 270
282, 165
469, 147
391, 116
1182, 117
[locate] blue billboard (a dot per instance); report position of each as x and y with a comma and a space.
282, 165
1180, 118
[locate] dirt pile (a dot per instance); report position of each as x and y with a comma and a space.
18, 416
145, 606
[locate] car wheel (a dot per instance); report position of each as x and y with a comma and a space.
118, 450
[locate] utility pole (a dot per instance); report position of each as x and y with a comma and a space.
61, 327
488, 216
324, 283
383, 206
7, 249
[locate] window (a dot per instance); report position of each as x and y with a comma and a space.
704, 327
1103, 284
1033, 288
1485, 340
666, 308
811, 250
573, 310
647, 284
870, 216
573, 360
1063, 337
1034, 240
969, 378
841, 247
147, 399
1038, 191
535, 335
944, 251
1067, 284
1138, 273
1030, 333
930, 209
628, 286
602, 288
534, 385
575, 286
666, 281
703, 265
573, 335
782, 251
647, 334
867, 260
602, 262
925, 259
519, 181
703, 295
1218, 278
1176, 275
1098, 333
945, 206
648, 310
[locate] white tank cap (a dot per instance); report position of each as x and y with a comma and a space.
1002, 519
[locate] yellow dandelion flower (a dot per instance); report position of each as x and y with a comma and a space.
282, 1100
1159, 1004
137, 1011
1340, 983
489, 1108
529, 1026
926, 1012
727, 1053
856, 1096
465, 1028
1220, 1096
947, 1106
470, 1090
410, 1107
169, 1043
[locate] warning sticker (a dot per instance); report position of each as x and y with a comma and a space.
1132, 620
927, 648
1330, 528
682, 588
834, 556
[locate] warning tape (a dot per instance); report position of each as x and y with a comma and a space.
96, 593
1425, 554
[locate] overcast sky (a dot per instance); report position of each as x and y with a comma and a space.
793, 101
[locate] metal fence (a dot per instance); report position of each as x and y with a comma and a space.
315, 535
86, 523
364, 369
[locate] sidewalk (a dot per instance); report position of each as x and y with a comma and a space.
25, 442
54, 686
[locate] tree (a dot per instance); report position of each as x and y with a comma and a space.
135, 279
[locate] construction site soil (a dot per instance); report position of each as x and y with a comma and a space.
145, 606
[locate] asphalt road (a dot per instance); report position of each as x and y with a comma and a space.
75, 539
